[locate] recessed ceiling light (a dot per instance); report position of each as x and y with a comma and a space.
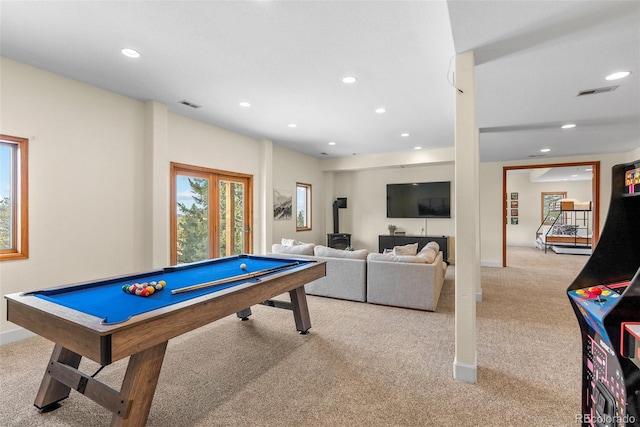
588, 169
574, 176
568, 126
618, 75
245, 104
349, 79
381, 110
131, 53
292, 125
545, 150
417, 148
404, 135
332, 143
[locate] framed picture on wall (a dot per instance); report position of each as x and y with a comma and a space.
514, 212
282, 204
514, 203
514, 221
514, 196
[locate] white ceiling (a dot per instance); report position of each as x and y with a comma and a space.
556, 174
288, 58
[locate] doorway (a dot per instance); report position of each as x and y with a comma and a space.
595, 193
211, 213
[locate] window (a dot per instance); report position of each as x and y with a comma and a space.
547, 199
14, 230
201, 230
303, 206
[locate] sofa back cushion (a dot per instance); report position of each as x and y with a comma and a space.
396, 258
327, 252
433, 245
304, 249
428, 254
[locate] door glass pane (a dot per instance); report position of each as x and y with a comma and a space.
231, 217
192, 218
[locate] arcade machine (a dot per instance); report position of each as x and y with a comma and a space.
606, 299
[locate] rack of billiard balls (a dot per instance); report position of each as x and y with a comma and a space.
144, 289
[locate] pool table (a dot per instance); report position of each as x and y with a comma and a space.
100, 321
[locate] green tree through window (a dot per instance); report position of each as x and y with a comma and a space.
193, 223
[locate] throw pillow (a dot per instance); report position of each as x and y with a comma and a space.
292, 242
410, 249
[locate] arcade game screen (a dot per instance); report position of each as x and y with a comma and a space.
632, 181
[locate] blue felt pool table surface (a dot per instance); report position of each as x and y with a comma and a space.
106, 300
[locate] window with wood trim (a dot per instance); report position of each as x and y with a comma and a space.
14, 218
211, 213
303, 206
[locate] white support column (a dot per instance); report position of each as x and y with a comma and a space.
262, 242
465, 364
156, 185
477, 264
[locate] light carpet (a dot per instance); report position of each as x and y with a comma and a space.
361, 364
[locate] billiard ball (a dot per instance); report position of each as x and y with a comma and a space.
243, 266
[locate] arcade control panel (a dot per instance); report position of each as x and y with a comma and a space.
596, 301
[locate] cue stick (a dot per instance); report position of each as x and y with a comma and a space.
245, 276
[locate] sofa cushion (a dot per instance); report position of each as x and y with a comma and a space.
395, 258
410, 249
303, 249
327, 252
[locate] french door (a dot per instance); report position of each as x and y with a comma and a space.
211, 213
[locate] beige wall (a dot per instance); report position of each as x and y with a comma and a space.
366, 215
85, 179
290, 167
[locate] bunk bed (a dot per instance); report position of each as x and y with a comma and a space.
566, 228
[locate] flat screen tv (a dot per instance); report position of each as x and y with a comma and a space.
419, 200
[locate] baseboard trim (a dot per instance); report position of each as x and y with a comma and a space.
490, 264
467, 373
15, 335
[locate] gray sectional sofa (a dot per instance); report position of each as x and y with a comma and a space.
402, 278
392, 280
346, 270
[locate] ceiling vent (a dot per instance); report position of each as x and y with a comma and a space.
190, 104
597, 90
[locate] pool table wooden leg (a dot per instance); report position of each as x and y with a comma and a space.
300, 309
51, 390
244, 314
139, 385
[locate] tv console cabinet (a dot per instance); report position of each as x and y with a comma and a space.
388, 241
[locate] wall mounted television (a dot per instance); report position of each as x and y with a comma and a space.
419, 200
